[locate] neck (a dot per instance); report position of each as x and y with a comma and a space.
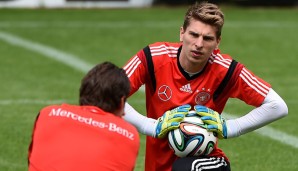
191, 67
192, 73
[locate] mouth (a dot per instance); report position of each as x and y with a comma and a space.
197, 53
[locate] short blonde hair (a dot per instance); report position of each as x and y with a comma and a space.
207, 13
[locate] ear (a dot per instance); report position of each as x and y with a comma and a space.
182, 31
121, 106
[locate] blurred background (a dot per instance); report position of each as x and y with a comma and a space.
234, 2
135, 3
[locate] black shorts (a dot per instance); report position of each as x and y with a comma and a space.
201, 164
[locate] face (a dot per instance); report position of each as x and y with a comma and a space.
199, 40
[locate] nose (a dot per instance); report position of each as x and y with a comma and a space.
199, 42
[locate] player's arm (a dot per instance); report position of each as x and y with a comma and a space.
156, 128
144, 124
273, 108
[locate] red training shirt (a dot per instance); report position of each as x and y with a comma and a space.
169, 86
77, 138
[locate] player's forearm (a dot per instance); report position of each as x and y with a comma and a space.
273, 108
144, 124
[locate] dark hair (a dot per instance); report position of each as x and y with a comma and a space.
104, 86
207, 13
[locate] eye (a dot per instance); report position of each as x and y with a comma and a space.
193, 34
208, 38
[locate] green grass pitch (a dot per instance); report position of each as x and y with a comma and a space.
265, 40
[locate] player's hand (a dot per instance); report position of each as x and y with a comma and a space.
214, 121
170, 120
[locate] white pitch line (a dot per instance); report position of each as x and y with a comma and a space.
34, 101
279, 136
82, 66
46, 51
50, 52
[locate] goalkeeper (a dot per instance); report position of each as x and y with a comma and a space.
193, 71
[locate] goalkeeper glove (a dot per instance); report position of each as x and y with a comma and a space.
170, 120
214, 121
